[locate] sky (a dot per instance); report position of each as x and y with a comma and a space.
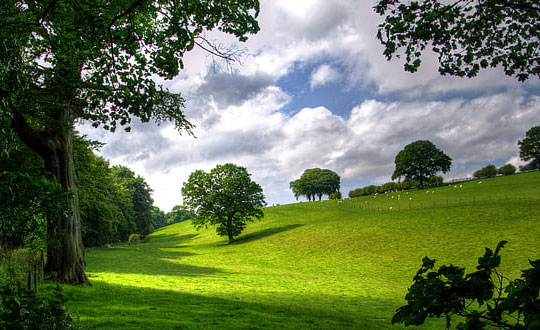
314, 90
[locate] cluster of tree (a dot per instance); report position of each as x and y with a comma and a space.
434, 180
316, 182
226, 196
491, 171
113, 202
529, 149
178, 213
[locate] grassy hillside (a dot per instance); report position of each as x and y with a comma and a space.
318, 265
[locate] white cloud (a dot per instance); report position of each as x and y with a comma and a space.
323, 75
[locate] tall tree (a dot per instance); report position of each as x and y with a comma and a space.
315, 182
419, 161
529, 148
226, 197
96, 60
468, 36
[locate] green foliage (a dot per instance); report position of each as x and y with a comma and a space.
315, 182
526, 168
507, 169
419, 161
335, 195
22, 309
435, 180
529, 148
225, 196
27, 202
467, 36
134, 239
450, 292
139, 199
178, 214
486, 172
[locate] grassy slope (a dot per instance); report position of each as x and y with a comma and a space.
309, 265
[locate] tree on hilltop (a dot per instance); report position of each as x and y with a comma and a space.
316, 182
96, 60
226, 197
467, 36
529, 147
419, 161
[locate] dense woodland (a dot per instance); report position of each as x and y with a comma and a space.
114, 202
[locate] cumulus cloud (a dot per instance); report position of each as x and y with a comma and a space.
323, 75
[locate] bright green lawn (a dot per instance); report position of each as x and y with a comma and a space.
319, 265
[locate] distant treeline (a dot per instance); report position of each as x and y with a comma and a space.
434, 180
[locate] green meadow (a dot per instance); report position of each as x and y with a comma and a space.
317, 265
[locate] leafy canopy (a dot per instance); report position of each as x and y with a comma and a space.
420, 160
225, 196
316, 182
480, 298
529, 148
468, 36
100, 58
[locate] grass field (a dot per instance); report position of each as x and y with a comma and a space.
318, 265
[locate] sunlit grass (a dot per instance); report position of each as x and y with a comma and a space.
318, 265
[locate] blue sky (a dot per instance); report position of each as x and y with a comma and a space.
315, 91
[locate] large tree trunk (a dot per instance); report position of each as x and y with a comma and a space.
65, 261
65, 251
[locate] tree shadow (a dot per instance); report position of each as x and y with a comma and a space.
106, 306
264, 233
163, 256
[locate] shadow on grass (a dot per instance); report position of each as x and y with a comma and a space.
104, 306
264, 233
156, 258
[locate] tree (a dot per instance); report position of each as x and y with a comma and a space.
97, 60
529, 148
450, 292
486, 172
226, 197
420, 160
468, 36
507, 169
178, 214
315, 182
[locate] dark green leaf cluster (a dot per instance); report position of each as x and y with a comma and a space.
113, 201
529, 147
486, 172
178, 214
419, 161
26, 202
479, 298
225, 197
26, 310
468, 36
506, 169
315, 182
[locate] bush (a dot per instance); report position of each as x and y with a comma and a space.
478, 298
526, 168
22, 309
408, 184
486, 172
507, 169
389, 186
134, 239
335, 195
435, 180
